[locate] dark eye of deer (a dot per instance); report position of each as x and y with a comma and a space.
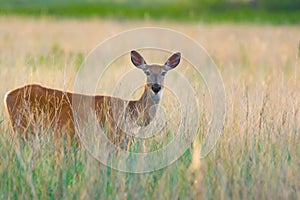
163, 73
147, 73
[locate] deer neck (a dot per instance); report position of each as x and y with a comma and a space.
145, 107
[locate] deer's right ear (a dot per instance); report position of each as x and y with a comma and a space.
137, 60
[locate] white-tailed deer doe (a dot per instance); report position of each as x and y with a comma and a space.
33, 108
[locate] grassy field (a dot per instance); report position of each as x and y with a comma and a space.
256, 157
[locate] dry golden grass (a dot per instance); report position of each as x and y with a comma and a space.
257, 156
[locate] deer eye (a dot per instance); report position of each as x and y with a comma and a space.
163, 73
147, 73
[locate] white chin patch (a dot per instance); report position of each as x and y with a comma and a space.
156, 97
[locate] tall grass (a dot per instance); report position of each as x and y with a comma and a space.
256, 157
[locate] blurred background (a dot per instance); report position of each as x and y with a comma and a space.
271, 11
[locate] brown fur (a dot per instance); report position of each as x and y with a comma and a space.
32, 107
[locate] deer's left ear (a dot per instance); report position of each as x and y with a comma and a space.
173, 61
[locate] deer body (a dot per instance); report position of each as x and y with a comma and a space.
32, 107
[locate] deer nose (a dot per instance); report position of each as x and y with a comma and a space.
156, 88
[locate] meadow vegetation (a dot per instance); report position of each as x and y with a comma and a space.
256, 157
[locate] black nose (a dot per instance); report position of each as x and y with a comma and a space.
156, 88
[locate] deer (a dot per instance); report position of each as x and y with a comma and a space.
33, 106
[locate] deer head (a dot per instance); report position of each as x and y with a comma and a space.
155, 73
